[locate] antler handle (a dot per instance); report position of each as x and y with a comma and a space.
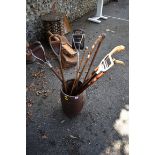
117, 49
119, 62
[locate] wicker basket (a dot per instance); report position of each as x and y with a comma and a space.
53, 23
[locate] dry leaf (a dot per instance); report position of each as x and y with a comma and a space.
108, 30
62, 121
29, 115
29, 103
73, 137
38, 93
44, 136
38, 74
32, 87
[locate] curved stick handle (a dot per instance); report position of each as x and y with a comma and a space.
99, 39
57, 37
117, 49
50, 33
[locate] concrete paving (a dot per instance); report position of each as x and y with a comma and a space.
95, 130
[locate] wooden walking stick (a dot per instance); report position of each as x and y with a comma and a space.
58, 38
77, 73
39, 53
102, 38
97, 42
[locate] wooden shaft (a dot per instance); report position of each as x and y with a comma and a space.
99, 44
94, 79
77, 73
87, 59
88, 80
57, 75
60, 62
63, 78
98, 40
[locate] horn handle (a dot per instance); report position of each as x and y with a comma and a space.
119, 62
117, 49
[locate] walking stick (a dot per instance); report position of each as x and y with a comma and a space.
77, 73
58, 38
103, 36
39, 54
98, 40
106, 63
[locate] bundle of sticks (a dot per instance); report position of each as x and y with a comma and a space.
106, 63
85, 66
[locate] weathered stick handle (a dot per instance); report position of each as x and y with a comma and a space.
117, 49
119, 62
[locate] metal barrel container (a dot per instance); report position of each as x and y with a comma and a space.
72, 105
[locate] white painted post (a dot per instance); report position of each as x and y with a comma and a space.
98, 13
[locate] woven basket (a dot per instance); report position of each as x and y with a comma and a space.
53, 23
